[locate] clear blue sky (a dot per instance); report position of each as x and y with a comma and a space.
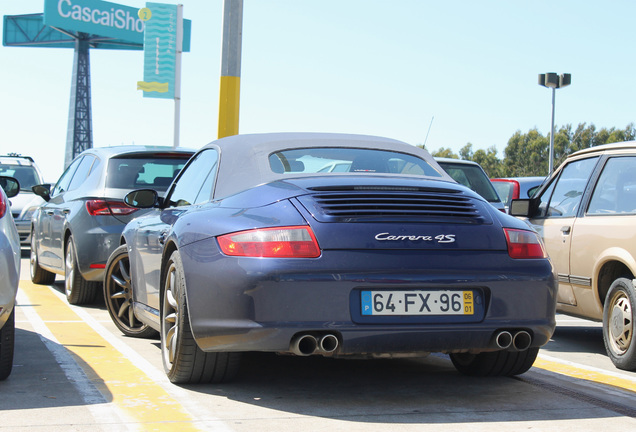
374, 67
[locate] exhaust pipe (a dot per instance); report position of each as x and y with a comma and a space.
304, 345
328, 343
503, 339
522, 340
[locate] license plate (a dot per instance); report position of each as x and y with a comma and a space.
420, 302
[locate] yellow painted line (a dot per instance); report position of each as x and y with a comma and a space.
116, 377
584, 374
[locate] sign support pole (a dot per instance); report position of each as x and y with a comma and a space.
177, 76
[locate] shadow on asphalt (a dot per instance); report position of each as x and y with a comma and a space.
391, 391
577, 339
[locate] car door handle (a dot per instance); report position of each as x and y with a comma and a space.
66, 211
565, 230
50, 212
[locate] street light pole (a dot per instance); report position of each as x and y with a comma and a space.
553, 81
229, 94
551, 163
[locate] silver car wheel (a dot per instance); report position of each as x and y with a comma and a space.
620, 324
38, 274
183, 360
69, 268
78, 290
118, 295
170, 317
33, 260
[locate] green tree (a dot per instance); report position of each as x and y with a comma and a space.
526, 155
466, 152
489, 161
445, 153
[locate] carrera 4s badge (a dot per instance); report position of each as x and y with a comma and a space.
440, 238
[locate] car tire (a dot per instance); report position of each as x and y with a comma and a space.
118, 296
618, 324
7, 340
78, 290
38, 274
495, 363
184, 362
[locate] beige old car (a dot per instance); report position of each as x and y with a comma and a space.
586, 215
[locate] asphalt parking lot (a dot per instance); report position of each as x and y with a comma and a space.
74, 371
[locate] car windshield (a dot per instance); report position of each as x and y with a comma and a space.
144, 172
348, 160
473, 177
26, 175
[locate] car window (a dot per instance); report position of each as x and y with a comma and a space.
505, 191
144, 171
195, 184
532, 191
65, 179
563, 197
615, 190
357, 160
83, 169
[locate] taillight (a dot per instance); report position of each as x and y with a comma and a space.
524, 244
283, 242
108, 208
3, 205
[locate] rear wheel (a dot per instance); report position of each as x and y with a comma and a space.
118, 296
38, 274
618, 324
7, 338
183, 360
78, 290
495, 363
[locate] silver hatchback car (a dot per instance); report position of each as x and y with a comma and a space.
10, 274
74, 232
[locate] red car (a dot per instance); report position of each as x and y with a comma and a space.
516, 187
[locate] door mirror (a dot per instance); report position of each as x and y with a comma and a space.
520, 207
43, 190
10, 185
142, 198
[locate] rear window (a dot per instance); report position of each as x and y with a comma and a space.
348, 160
144, 172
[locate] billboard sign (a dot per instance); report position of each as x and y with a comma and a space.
160, 50
95, 17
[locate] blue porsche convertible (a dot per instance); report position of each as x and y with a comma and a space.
327, 244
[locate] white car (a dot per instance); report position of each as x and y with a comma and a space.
27, 173
10, 274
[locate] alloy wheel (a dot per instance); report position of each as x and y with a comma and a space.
170, 316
